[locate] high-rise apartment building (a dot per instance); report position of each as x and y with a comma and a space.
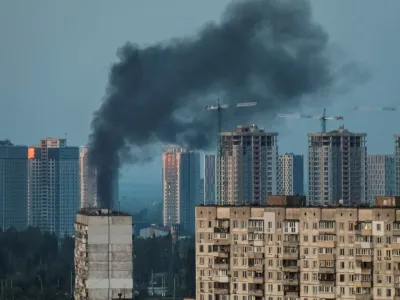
181, 180
210, 182
103, 255
306, 253
13, 185
290, 174
337, 167
397, 162
381, 176
247, 167
88, 183
201, 191
53, 189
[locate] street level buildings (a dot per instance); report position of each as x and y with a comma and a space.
210, 182
290, 174
247, 166
13, 186
282, 252
181, 182
53, 186
381, 176
337, 167
103, 255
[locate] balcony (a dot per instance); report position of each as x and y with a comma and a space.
290, 243
256, 280
290, 256
362, 284
256, 267
325, 270
221, 251
326, 277
291, 290
290, 268
364, 297
221, 263
288, 279
222, 241
255, 255
257, 292
221, 288
221, 229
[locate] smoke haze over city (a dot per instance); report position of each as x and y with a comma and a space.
265, 51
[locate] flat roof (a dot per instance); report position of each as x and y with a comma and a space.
299, 206
101, 212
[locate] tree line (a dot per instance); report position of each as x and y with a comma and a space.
39, 266
35, 265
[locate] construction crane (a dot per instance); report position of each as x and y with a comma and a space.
322, 118
383, 108
218, 107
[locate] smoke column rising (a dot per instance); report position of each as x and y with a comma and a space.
269, 51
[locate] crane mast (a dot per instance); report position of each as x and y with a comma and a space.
322, 118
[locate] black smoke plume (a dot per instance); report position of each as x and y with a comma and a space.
268, 51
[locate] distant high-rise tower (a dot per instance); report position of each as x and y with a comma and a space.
201, 191
290, 174
381, 176
181, 179
210, 183
88, 183
397, 162
13, 185
337, 167
247, 169
53, 190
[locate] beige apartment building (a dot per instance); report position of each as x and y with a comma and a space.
282, 252
103, 255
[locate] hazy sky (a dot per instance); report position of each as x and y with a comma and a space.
55, 56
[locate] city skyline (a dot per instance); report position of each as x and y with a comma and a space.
77, 48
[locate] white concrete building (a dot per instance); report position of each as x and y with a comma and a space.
53, 186
381, 176
247, 170
181, 181
337, 167
103, 255
290, 174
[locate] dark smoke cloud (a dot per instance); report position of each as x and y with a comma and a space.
268, 51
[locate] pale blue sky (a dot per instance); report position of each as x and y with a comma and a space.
55, 55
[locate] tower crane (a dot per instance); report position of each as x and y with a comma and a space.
322, 118
379, 108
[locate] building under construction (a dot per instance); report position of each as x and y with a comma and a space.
337, 162
247, 166
103, 255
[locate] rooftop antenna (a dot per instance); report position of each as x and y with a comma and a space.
322, 118
219, 107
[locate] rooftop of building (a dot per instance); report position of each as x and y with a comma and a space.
338, 132
280, 201
249, 130
101, 212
